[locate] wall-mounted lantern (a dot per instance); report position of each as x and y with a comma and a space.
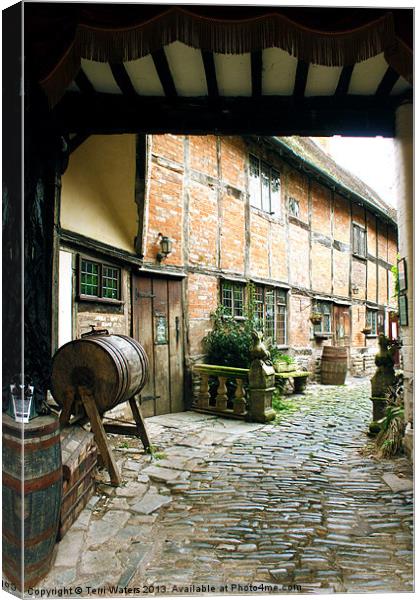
355, 289
165, 244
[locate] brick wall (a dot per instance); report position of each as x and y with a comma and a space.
198, 196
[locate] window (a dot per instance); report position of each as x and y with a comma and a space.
372, 321
99, 281
233, 298
264, 186
270, 313
293, 207
324, 324
359, 241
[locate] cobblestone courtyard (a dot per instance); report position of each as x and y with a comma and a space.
298, 504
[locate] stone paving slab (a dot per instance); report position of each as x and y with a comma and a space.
296, 503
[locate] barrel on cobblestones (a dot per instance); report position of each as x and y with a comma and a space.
32, 482
114, 367
334, 365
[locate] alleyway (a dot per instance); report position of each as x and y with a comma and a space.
298, 505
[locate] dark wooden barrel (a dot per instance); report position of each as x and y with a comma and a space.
114, 367
32, 483
334, 365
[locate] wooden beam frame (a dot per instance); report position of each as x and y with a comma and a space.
122, 79
276, 115
256, 73
301, 78
210, 71
83, 83
387, 83
164, 73
344, 81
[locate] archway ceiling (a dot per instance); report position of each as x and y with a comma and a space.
197, 71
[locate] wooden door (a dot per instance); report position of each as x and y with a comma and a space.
158, 326
341, 320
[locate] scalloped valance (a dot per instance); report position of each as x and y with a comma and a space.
105, 43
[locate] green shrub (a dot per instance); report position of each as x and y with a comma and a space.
229, 342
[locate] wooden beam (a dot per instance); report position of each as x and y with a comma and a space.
77, 141
83, 83
387, 83
276, 115
344, 81
210, 71
122, 79
164, 73
300, 79
256, 73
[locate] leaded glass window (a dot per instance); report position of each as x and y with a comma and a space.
264, 186
233, 298
324, 326
99, 281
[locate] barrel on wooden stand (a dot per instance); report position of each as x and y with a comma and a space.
32, 483
334, 365
113, 367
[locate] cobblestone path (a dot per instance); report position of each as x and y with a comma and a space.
295, 504
299, 505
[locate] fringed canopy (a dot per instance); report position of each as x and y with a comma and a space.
119, 33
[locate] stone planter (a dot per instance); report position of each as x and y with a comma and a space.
283, 367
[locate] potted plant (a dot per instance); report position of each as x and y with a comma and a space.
316, 317
367, 330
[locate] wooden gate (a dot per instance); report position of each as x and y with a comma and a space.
158, 326
341, 320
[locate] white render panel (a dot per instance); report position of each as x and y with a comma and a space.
279, 71
144, 77
186, 66
233, 73
367, 75
100, 76
65, 297
322, 81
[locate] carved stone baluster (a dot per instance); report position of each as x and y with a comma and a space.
203, 396
239, 403
221, 398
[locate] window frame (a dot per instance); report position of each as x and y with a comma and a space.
274, 187
372, 323
261, 308
235, 285
99, 298
356, 247
319, 328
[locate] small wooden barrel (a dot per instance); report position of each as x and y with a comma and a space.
113, 367
334, 365
32, 484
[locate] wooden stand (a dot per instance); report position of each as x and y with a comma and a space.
99, 428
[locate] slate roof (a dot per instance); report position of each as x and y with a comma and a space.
317, 160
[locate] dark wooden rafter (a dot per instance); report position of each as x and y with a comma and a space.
276, 115
256, 73
122, 79
300, 79
344, 81
83, 83
387, 83
210, 71
164, 73
76, 141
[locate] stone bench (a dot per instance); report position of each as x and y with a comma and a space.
300, 379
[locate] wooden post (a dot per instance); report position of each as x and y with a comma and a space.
100, 435
140, 425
